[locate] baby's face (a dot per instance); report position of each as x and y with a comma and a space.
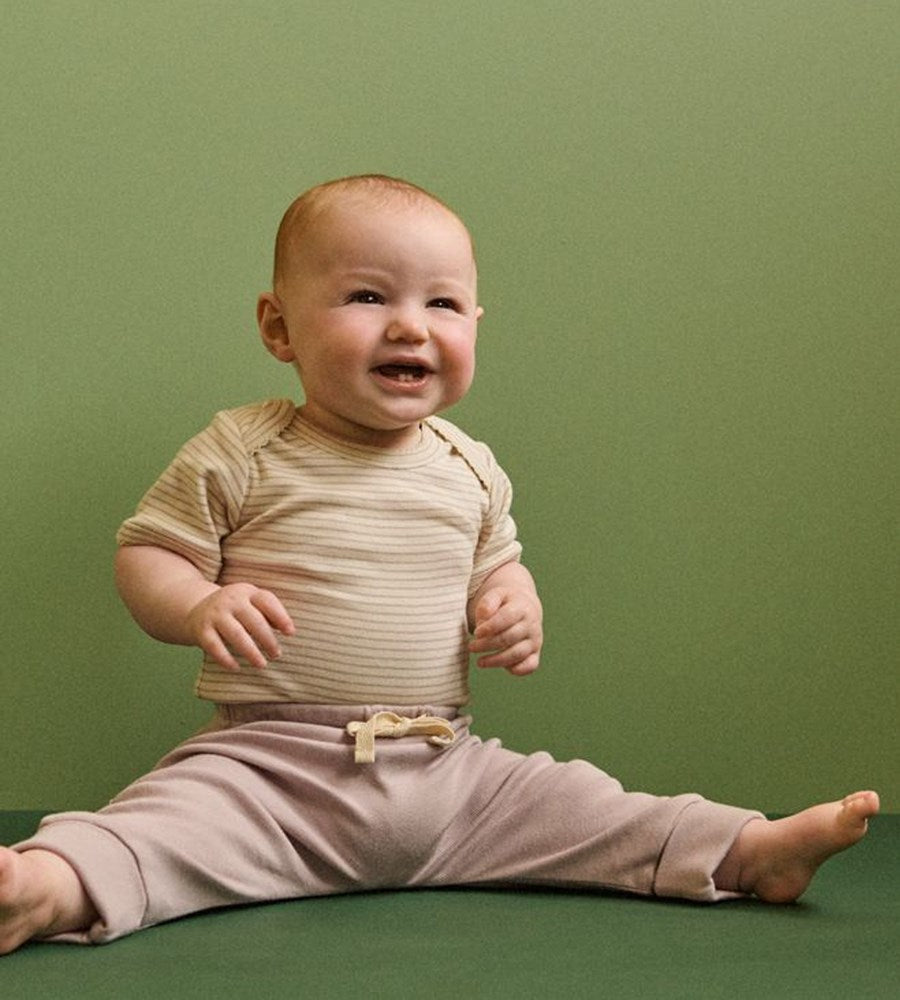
379, 316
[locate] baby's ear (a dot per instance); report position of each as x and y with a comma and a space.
273, 327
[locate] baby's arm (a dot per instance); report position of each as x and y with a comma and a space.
506, 617
171, 600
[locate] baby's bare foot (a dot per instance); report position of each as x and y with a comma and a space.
40, 895
776, 859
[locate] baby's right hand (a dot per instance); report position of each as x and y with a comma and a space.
239, 618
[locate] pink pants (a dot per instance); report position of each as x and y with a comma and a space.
269, 804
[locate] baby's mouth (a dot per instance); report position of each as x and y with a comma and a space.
403, 373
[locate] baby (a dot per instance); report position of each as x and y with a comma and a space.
337, 563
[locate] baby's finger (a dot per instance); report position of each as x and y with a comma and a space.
505, 616
258, 629
488, 606
213, 646
239, 642
274, 611
510, 657
503, 638
527, 666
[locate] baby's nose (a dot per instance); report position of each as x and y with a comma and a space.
408, 326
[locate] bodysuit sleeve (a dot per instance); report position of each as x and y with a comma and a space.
497, 543
196, 502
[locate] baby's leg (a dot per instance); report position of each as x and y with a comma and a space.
775, 860
251, 813
531, 819
40, 895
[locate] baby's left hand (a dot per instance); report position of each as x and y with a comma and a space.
508, 628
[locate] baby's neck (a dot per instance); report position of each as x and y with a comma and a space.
401, 439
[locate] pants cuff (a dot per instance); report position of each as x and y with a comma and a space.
107, 869
703, 834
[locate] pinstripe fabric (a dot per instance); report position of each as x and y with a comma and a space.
374, 554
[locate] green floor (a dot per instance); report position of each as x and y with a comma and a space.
842, 941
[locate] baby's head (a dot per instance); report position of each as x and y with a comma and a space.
363, 192
374, 303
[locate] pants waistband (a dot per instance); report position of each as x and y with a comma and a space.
236, 714
364, 723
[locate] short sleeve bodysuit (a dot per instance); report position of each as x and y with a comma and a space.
374, 554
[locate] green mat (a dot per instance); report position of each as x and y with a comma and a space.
842, 940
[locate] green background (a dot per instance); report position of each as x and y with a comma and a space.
686, 216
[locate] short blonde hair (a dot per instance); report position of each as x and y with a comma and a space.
309, 206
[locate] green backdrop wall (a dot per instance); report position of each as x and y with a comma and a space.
686, 216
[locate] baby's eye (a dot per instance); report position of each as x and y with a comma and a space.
365, 296
443, 304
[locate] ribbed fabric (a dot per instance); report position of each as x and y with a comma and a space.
374, 554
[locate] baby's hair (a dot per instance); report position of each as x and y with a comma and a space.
378, 189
